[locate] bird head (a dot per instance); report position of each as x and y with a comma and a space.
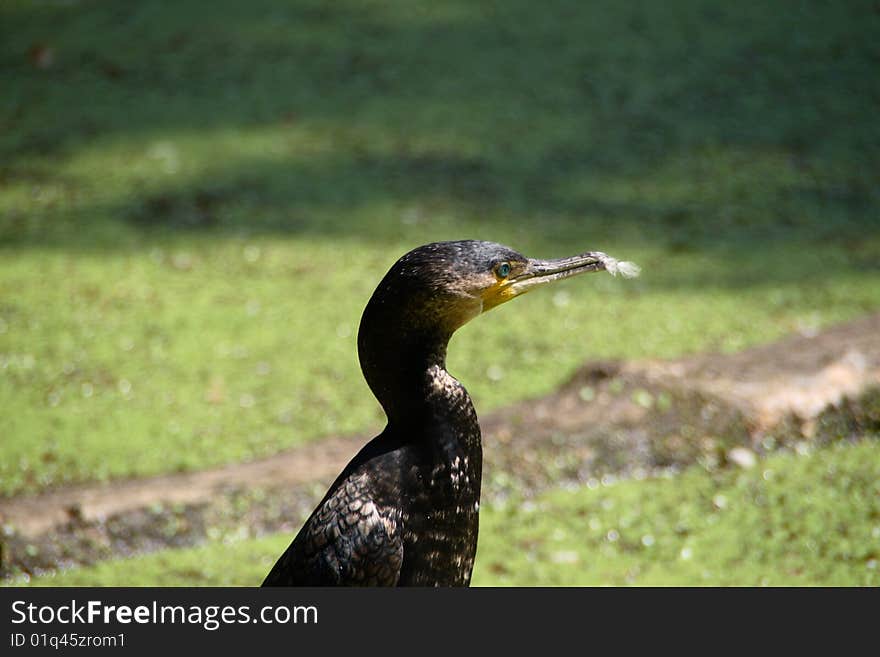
446, 284
434, 290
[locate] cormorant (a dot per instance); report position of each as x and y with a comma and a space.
404, 511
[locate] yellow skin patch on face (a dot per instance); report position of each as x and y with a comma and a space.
500, 292
491, 290
504, 288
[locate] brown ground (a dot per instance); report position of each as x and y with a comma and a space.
611, 417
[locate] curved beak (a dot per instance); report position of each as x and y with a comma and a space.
539, 272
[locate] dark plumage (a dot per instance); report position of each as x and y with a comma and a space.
405, 509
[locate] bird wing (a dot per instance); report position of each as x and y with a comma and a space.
349, 540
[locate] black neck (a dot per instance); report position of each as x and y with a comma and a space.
400, 367
402, 342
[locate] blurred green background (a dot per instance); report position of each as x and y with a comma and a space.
197, 199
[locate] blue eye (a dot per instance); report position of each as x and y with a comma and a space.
503, 270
